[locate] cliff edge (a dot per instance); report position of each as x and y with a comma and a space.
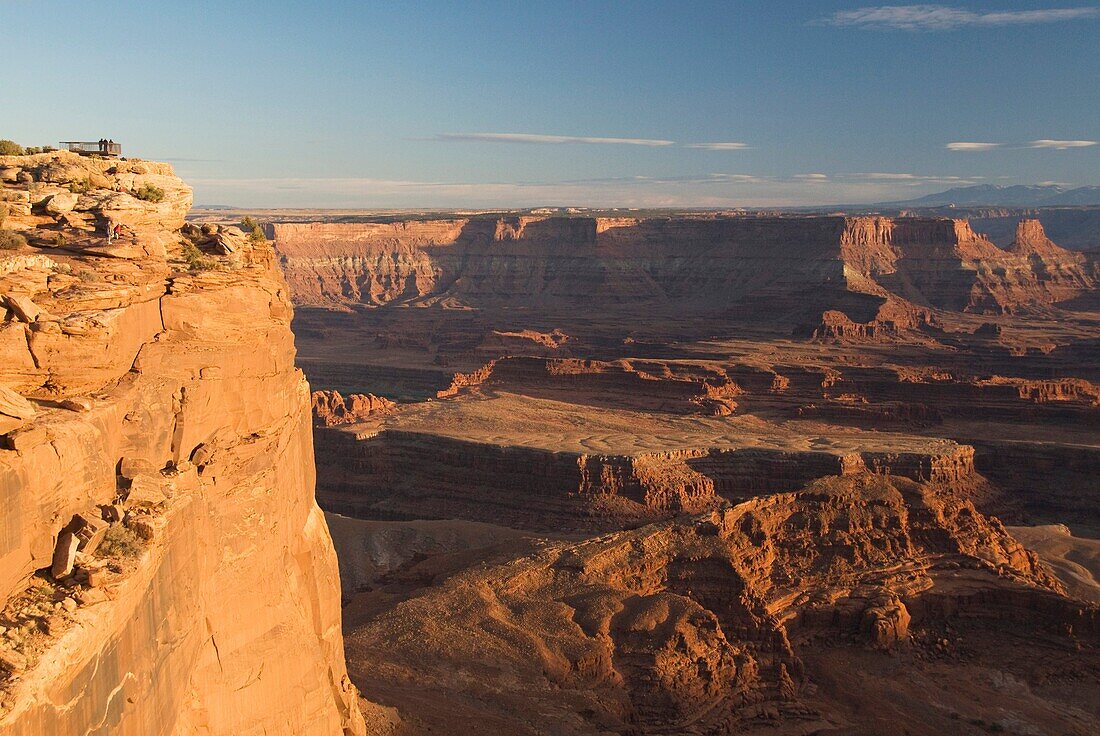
164, 568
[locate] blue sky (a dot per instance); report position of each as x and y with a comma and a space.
480, 104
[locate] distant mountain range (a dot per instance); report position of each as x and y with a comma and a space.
991, 195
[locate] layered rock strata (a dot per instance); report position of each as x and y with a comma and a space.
879, 272
164, 568
741, 621
450, 465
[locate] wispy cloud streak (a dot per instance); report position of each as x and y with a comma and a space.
1060, 145
536, 138
947, 18
1056, 145
972, 146
729, 146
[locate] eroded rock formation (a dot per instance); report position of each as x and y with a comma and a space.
331, 409
797, 266
717, 624
164, 568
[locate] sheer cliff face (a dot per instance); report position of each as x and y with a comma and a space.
164, 408
797, 266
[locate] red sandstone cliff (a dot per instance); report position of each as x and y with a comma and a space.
796, 267
164, 568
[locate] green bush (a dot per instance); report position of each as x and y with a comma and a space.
81, 186
10, 148
150, 193
120, 541
249, 223
257, 235
10, 240
196, 261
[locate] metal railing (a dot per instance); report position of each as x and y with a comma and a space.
92, 147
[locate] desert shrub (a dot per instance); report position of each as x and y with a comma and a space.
59, 239
87, 275
10, 148
249, 223
81, 186
3, 213
149, 193
120, 541
11, 240
196, 260
257, 235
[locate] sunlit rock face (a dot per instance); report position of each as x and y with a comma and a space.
163, 565
877, 271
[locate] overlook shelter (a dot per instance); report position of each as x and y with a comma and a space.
105, 148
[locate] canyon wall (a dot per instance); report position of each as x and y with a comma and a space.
165, 568
796, 266
400, 474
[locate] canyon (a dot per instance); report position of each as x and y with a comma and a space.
693, 473
707, 473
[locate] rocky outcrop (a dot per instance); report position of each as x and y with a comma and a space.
165, 569
399, 474
331, 409
636, 384
717, 623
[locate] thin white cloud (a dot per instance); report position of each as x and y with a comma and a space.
811, 177
947, 18
1041, 143
727, 146
907, 179
1059, 145
537, 138
972, 146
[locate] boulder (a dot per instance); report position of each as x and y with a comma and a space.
60, 204
64, 555
146, 490
886, 622
14, 405
90, 533
25, 309
78, 403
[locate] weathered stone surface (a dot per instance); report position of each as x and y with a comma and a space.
90, 532
762, 265
14, 405
64, 555
234, 568
25, 309
60, 203
77, 403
